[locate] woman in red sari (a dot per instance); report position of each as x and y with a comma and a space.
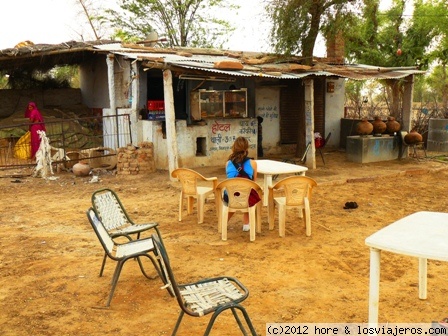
37, 124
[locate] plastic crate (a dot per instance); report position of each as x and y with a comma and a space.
156, 105
156, 116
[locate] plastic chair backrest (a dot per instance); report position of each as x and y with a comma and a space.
188, 179
238, 190
296, 188
296, 192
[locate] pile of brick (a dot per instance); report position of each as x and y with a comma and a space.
133, 160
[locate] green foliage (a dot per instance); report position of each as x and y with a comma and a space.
397, 37
378, 35
297, 23
182, 22
57, 78
91, 13
4, 80
66, 74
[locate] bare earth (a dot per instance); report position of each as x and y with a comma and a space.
49, 283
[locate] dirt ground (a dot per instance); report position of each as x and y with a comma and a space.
50, 256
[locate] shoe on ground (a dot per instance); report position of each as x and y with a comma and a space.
351, 205
246, 227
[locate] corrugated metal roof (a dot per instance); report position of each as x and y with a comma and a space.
205, 62
193, 60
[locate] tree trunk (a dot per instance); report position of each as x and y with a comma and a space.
310, 40
444, 91
395, 90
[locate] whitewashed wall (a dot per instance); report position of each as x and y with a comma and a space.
94, 84
218, 136
334, 111
267, 102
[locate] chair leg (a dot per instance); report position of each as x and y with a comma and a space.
271, 215
190, 201
219, 208
307, 216
142, 269
181, 205
179, 320
419, 146
424, 149
114, 281
238, 320
201, 207
252, 222
258, 212
301, 212
281, 220
246, 318
322, 155
414, 151
224, 220
103, 264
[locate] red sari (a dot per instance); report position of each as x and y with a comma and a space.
37, 124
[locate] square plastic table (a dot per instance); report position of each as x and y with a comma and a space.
422, 235
270, 168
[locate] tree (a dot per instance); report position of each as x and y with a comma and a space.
297, 23
95, 20
438, 82
3, 80
391, 38
181, 22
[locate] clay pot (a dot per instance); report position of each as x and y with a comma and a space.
81, 169
413, 138
392, 126
364, 127
379, 126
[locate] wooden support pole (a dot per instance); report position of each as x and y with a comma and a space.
170, 120
309, 122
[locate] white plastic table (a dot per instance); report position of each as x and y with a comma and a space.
271, 167
423, 235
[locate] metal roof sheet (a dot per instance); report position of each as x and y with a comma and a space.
255, 64
205, 62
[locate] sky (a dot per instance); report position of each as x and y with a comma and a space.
56, 21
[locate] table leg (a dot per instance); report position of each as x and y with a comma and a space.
374, 286
422, 278
267, 183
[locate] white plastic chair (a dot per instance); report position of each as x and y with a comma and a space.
296, 193
238, 190
191, 190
